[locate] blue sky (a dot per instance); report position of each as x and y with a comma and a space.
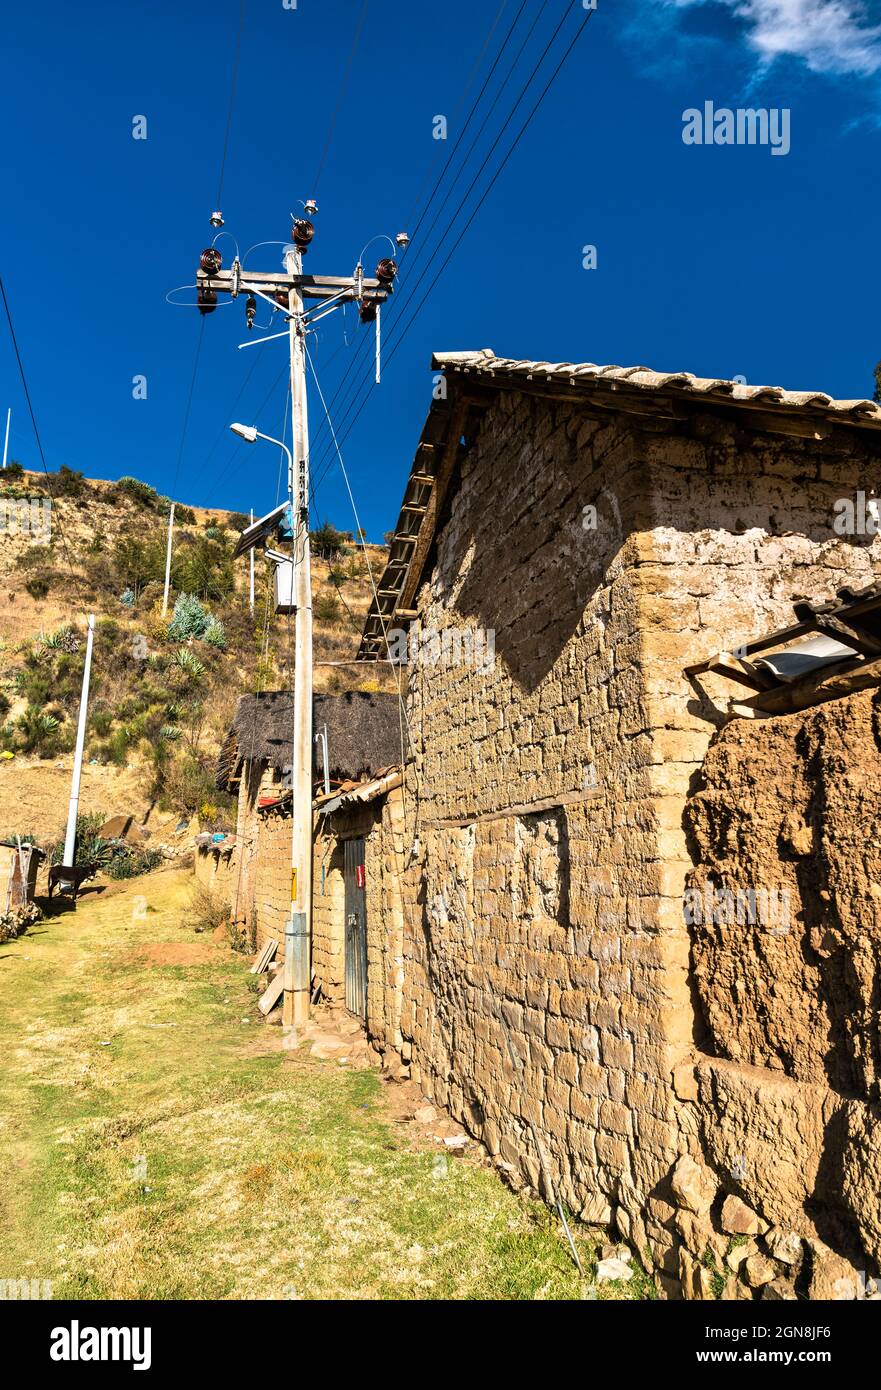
717, 260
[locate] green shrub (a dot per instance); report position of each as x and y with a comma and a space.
68, 483
327, 541
326, 609
40, 732
204, 567
190, 619
38, 585
184, 516
139, 492
133, 863
190, 665
90, 847
238, 521
101, 721
14, 469
214, 634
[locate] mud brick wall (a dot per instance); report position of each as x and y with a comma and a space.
267, 876
380, 824
328, 913
741, 526
216, 872
547, 957
797, 798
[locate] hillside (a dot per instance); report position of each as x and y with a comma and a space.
163, 688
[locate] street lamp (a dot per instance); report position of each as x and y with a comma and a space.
251, 434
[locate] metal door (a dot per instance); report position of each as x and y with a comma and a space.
356, 928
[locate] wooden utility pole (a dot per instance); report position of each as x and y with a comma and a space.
168, 562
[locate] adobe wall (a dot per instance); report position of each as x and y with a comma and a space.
548, 965
380, 824
539, 991
742, 527
266, 875
791, 1003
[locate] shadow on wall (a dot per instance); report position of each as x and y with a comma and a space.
519, 552
523, 554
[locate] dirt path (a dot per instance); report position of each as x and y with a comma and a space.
159, 1143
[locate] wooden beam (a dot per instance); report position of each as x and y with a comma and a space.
831, 683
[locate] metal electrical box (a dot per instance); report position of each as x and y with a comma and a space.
284, 587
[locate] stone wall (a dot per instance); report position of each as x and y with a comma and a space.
547, 957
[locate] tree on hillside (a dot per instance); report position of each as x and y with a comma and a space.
327, 541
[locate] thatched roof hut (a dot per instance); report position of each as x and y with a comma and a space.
363, 734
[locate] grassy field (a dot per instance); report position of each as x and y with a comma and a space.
158, 1143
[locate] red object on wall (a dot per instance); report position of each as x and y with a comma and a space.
360, 876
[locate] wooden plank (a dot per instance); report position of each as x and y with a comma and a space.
456, 428
831, 683
524, 808
835, 627
262, 959
271, 995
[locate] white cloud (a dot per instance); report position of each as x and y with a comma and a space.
830, 36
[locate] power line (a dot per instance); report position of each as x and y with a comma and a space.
183, 435
27, 396
474, 69
232, 100
351, 394
344, 82
353, 364
364, 395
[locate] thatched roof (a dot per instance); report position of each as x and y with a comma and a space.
363, 734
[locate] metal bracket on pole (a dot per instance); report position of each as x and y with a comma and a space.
296, 967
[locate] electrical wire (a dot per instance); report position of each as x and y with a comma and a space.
352, 366
232, 101
360, 400
341, 92
183, 434
27, 396
459, 104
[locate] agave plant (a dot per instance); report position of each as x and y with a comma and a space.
185, 661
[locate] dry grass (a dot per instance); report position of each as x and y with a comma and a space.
158, 1143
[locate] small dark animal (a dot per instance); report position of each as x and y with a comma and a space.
59, 874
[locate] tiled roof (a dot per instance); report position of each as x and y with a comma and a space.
484, 364
801, 412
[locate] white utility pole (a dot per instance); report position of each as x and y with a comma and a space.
6, 440
296, 1001
291, 289
251, 560
168, 562
70, 838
